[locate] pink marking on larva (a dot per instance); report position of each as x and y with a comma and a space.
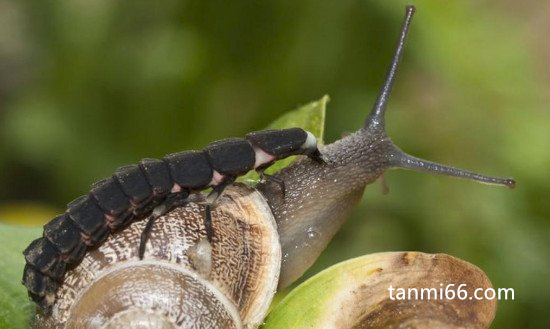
110, 221
86, 239
262, 157
110, 218
64, 257
217, 178
175, 189
133, 204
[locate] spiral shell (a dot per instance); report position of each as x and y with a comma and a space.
183, 281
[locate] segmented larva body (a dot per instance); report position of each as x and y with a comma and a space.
134, 191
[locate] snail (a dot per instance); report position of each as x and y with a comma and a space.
223, 272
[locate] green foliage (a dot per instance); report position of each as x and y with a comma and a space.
15, 308
308, 305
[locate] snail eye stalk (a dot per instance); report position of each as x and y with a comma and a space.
375, 124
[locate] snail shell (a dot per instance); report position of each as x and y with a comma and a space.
183, 281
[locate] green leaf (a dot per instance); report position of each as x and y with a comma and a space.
309, 304
15, 308
355, 293
310, 117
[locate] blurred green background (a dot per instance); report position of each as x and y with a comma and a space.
89, 85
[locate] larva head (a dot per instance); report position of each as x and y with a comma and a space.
320, 196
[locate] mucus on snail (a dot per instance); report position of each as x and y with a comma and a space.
259, 240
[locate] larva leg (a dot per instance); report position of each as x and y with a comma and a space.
208, 222
317, 157
145, 233
272, 179
211, 202
200, 254
173, 200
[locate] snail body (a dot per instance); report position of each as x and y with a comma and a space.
322, 196
318, 197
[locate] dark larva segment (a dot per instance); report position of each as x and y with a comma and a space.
157, 174
38, 283
280, 142
102, 234
65, 236
133, 183
110, 196
190, 169
41, 301
231, 157
89, 218
44, 257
